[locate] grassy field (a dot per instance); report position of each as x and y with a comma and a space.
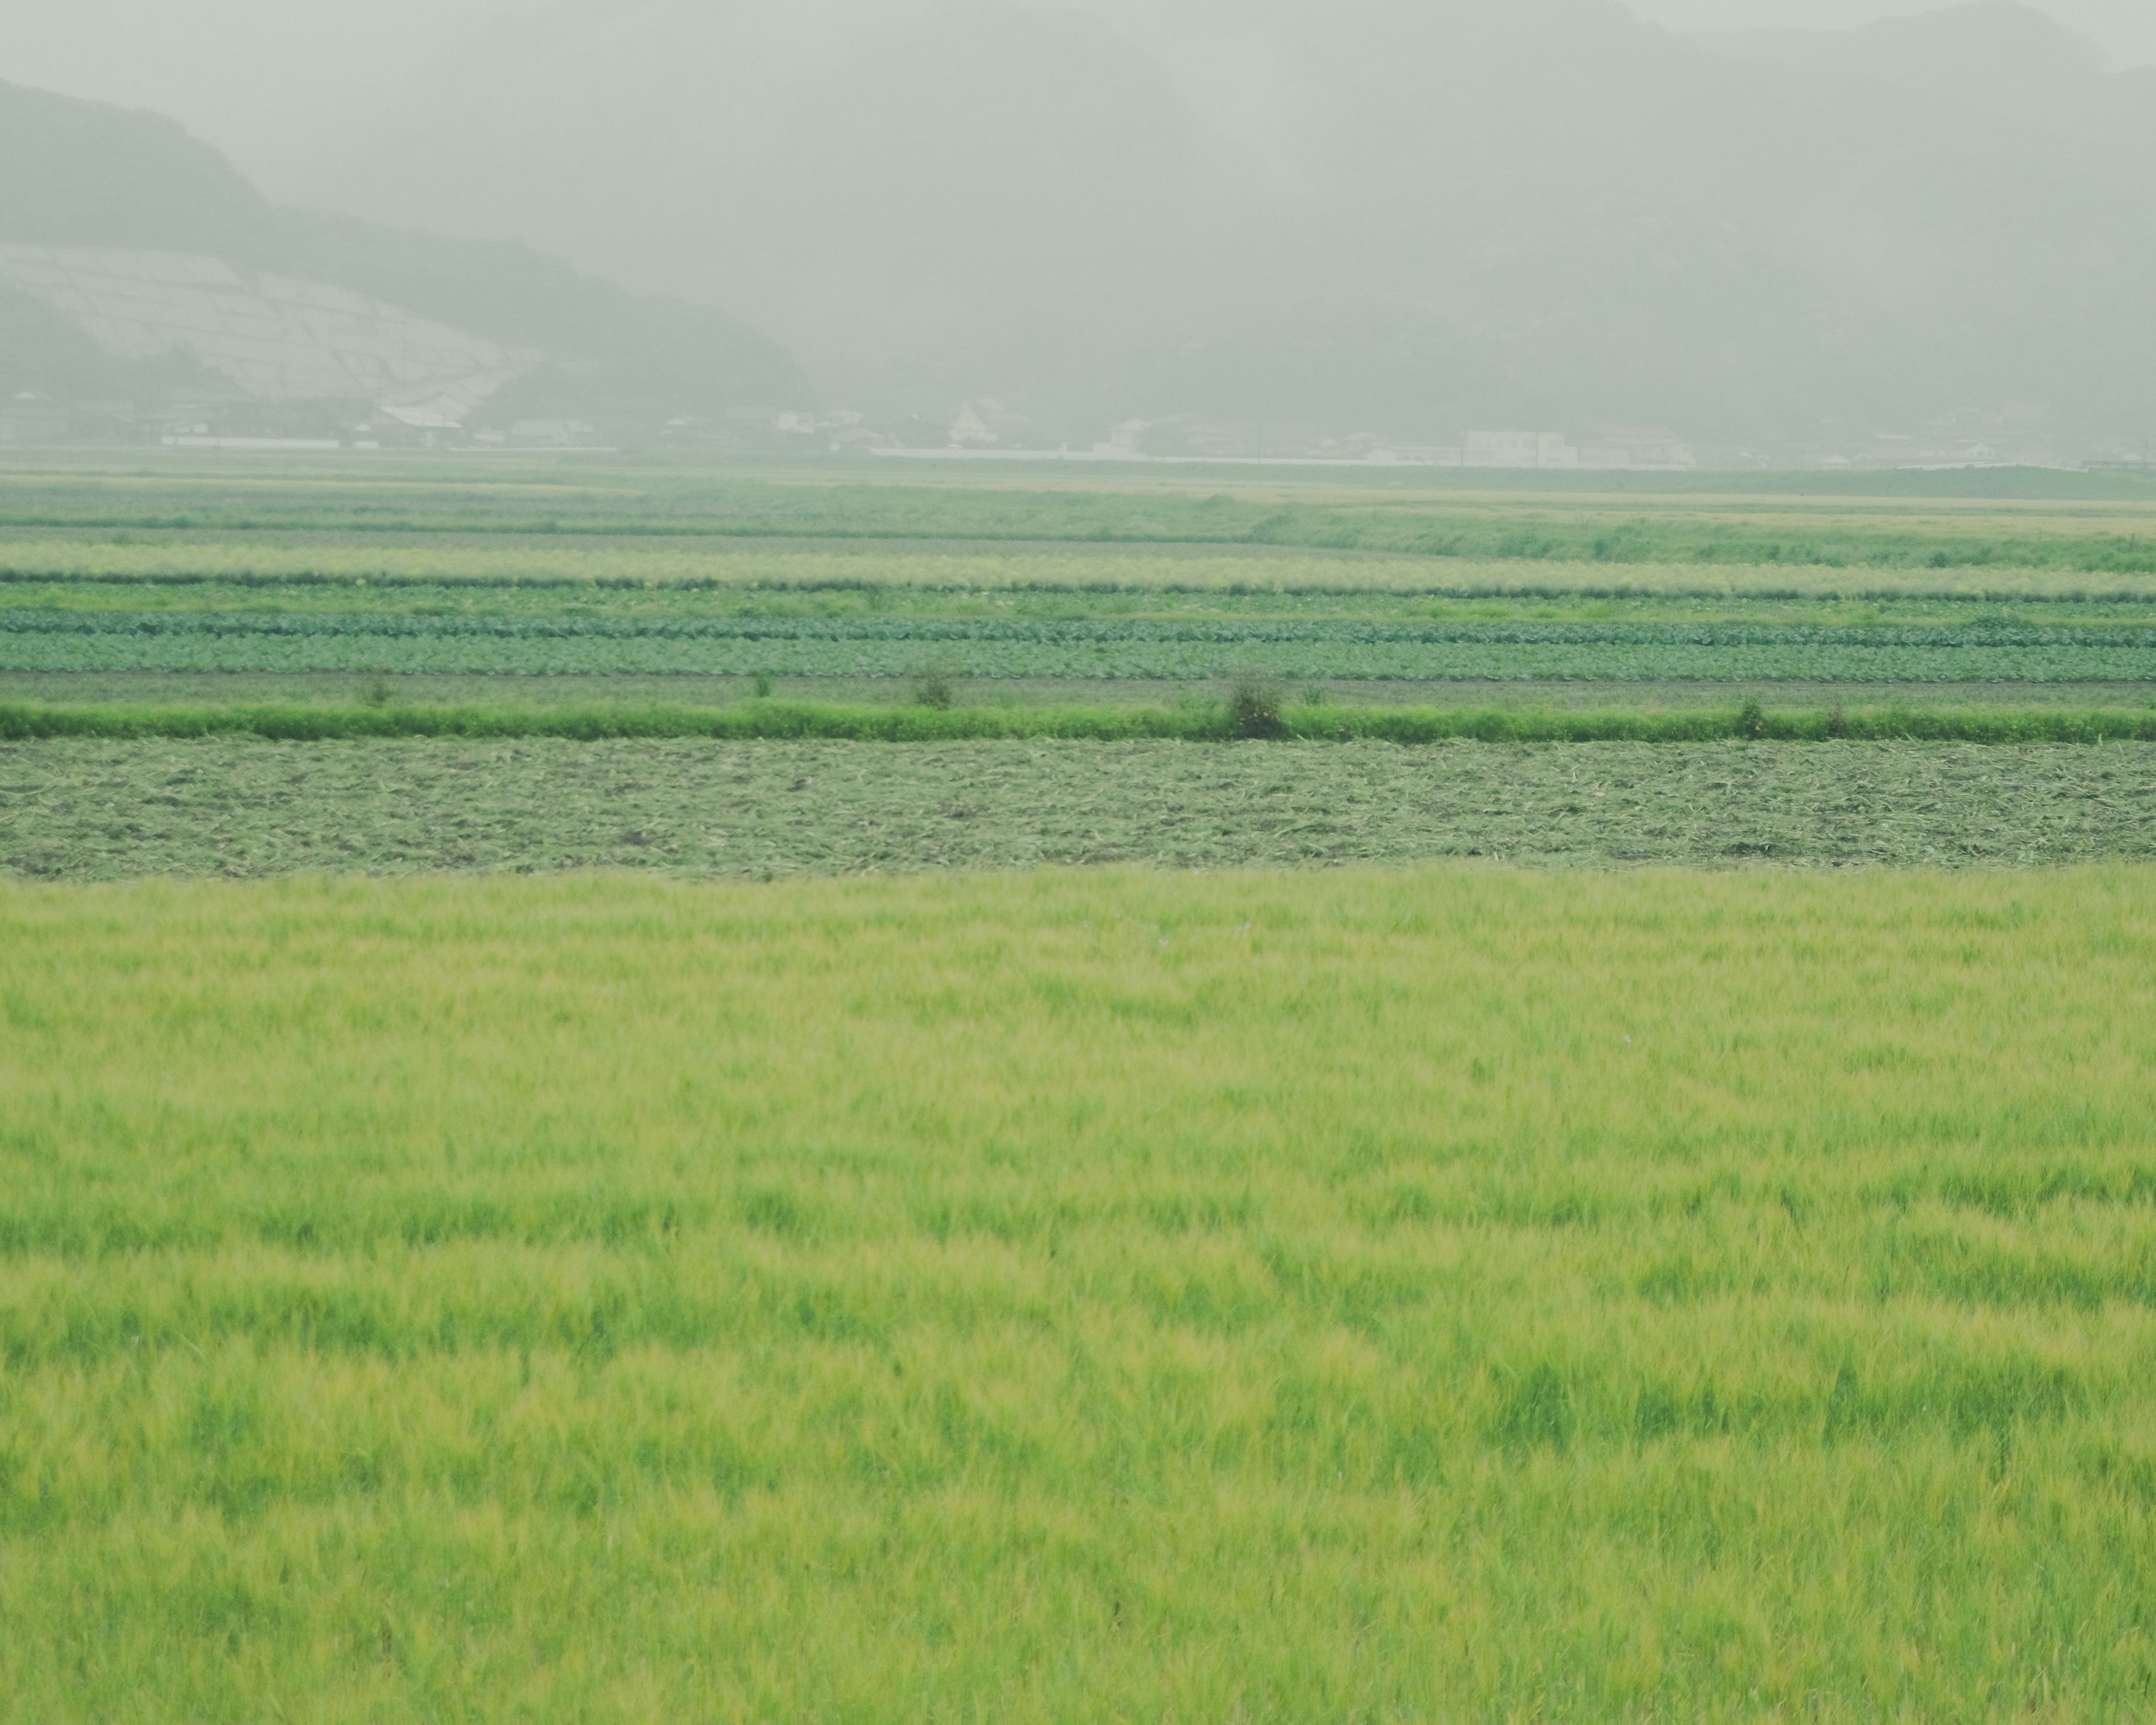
2069, 521
1384, 1296
104, 810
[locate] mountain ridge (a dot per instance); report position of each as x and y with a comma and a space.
101, 179
1579, 216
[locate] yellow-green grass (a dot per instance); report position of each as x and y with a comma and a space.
1453, 1295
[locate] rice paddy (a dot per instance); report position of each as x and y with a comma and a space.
1078, 1296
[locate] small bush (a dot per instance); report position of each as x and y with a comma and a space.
935, 685
1253, 707
763, 686
1837, 723
1752, 721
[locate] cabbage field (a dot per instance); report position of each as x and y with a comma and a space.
597, 572
1166, 648
694, 596
604, 571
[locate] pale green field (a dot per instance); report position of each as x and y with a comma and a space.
444, 560
1441, 1295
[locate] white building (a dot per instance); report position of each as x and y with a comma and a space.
1519, 450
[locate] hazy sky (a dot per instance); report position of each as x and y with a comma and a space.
277, 84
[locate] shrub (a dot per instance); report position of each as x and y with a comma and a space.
1253, 707
936, 684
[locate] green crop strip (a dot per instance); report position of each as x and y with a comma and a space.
1190, 722
47, 640
1823, 532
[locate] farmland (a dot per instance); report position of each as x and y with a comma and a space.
608, 577
1414, 1296
2097, 650
2065, 524
630, 1091
108, 810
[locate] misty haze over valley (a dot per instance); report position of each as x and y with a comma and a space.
1544, 232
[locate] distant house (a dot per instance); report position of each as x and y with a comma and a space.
859, 440
1614, 447
552, 434
1518, 449
1643, 446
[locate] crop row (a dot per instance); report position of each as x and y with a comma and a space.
1802, 535
1025, 631
1185, 659
622, 566
1186, 721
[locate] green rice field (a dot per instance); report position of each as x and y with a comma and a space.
1066, 1297
636, 1090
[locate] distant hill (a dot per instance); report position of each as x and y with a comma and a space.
84, 174
100, 184
1399, 215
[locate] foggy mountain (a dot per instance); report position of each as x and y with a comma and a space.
1245, 224
1405, 215
166, 229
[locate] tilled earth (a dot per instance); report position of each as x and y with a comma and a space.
98, 810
